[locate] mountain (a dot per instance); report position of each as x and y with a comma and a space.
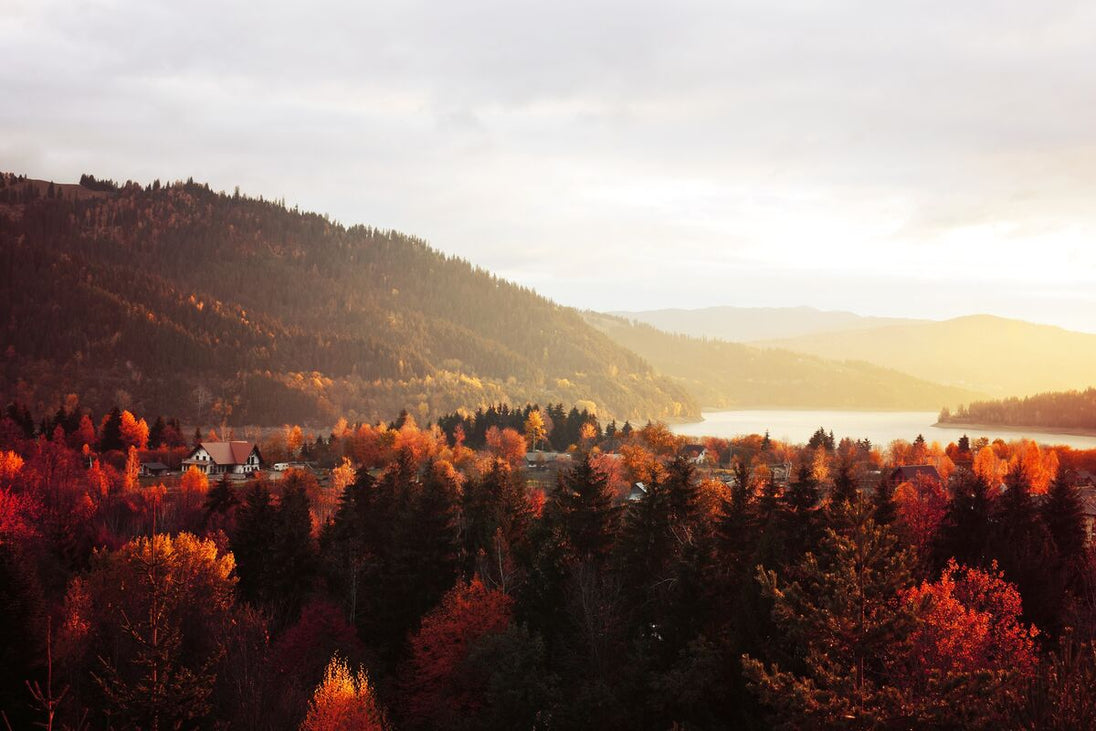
721, 374
179, 300
997, 356
743, 324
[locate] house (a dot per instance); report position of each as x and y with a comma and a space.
780, 473
695, 453
152, 469
219, 458
545, 459
915, 473
637, 493
1087, 493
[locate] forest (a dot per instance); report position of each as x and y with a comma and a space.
725, 375
222, 308
1057, 410
416, 577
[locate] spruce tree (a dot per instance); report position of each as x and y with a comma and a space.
292, 553
111, 437
965, 531
585, 507
251, 542
1063, 515
839, 619
844, 483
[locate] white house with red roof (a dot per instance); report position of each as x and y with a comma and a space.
218, 458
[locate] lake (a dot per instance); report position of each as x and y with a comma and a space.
881, 427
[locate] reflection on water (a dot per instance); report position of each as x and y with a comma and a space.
881, 427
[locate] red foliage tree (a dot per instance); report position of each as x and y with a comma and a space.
968, 647
436, 689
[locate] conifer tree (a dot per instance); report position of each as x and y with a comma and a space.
585, 508
292, 553
886, 511
964, 533
1063, 516
110, 437
1020, 546
252, 541
840, 619
738, 521
844, 483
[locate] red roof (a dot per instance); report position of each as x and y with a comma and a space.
226, 453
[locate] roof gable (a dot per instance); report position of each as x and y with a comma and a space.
226, 453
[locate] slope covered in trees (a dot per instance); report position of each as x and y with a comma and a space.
746, 324
1056, 410
994, 355
226, 308
721, 374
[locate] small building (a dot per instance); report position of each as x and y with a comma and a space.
637, 493
220, 458
695, 453
546, 459
780, 473
915, 473
152, 469
1087, 494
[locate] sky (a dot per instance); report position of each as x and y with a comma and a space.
920, 159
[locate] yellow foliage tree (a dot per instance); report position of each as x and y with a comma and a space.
133, 470
344, 701
134, 431
534, 428
989, 466
11, 464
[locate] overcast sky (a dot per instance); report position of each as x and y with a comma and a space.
921, 159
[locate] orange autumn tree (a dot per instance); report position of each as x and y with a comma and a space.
506, 444
968, 645
344, 701
134, 431
436, 689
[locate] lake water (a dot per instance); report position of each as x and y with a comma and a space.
881, 427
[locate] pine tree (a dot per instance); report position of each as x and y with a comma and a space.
156, 433
1063, 515
738, 522
252, 541
585, 507
221, 498
346, 542
292, 552
110, 438
840, 619
844, 483
964, 533
1020, 545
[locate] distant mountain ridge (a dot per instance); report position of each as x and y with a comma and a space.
998, 356
725, 375
179, 300
746, 324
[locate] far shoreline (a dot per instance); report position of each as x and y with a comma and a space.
1049, 431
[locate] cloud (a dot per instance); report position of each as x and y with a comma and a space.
550, 141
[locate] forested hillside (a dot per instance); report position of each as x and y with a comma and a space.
720, 374
746, 324
995, 355
1057, 410
177, 299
